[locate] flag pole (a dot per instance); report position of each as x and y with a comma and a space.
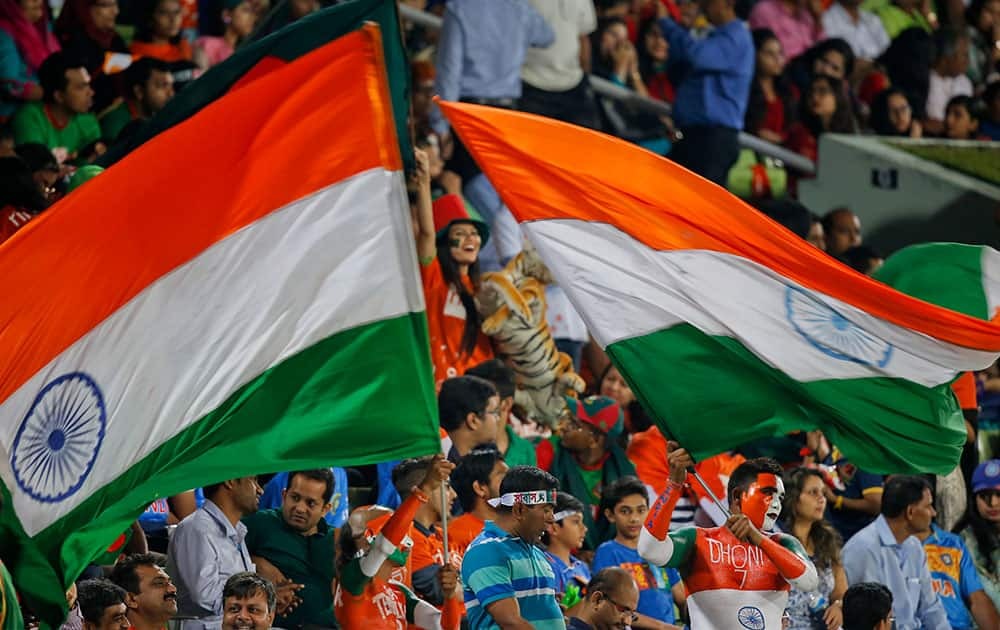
711, 495
444, 521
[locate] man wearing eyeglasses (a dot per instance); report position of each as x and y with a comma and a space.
612, 598
469, 411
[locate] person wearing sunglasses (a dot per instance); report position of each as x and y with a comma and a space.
611, 600
980, 529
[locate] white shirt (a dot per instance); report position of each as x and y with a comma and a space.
867, 36
557, 68
943, 89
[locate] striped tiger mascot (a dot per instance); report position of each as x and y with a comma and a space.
512, 305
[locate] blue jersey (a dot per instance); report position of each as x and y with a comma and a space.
577, 572
336, 517
953, 575
655, 599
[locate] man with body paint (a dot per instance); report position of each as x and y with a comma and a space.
738, 575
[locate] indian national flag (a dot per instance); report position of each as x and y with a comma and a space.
727, 326
240, 295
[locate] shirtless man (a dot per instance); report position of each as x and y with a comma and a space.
737, 576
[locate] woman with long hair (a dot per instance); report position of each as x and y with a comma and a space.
238, 18
892, 115
158, 32
802, 516
654, 52
983, 20
980, 529
823, 109
26, 39
769, 109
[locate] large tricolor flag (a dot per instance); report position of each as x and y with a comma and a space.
240, 295
727, 326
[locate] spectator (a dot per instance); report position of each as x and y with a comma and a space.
102, 605
625, 504
888, 552
861, 29
797, 23
86, 29
587, 457
561, 538
802, 516
990, 125
816, 236
165, 510
422, 86
961, 119
654, 53
768, 110
249, 602
20, 199
823, 109
947, 77
295, 544
62, 122
831, 57
26, 40
900, 15
476, 481
980, 529
149, 86
469, 409
158, 32
868, 606
610, 602
842, 229
208, 547
863, 258
613, 385
506, 579
239, 19
712, 99
274, 491
150, 596
7, 143
516, 450
908, 64
554, 79
892, 115
45, 171
983, 19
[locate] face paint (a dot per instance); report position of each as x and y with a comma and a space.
454, 242
762, 501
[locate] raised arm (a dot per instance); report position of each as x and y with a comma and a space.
656, 543
424, 209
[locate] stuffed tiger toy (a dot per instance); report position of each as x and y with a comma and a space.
512, 304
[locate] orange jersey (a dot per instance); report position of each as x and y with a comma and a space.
462, 531
965, 391
380, 607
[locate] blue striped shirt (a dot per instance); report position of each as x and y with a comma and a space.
497, 566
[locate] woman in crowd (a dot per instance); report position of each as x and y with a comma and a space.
823, 108
158, 32
892, 115
26, 39
961, 119
802, 516
983, 20
980, 529
238, 19
86, 29
654, 52
769, 109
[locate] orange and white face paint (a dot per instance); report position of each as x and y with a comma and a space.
761, 502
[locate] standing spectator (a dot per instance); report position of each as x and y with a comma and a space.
564, 536
712, 99
86, 29
158, 32
983, 19
980, 529
476, 480
506, 579
626, 505
208, 547
610, 602
868, 606
961, 119
516, 450
823, 109
892, 115
554, 79
26, 40
900, 15
990, 125
63, 121
947, 77
802, 515
888, 552
149, 86
769, 108
295, 544
797, 23
861, 29
239, 19
20, 199
857, 501
150, 596
468, 410
249, 602
654, 53
102, 605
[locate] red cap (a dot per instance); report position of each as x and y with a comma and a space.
450, 209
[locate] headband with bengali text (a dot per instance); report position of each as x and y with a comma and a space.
533, 497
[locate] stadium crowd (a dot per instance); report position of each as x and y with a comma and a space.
543, 527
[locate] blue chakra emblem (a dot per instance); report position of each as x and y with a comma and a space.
750, 617
58, 441
831, 333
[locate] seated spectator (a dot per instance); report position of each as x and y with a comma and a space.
468, 409
769, 108
862, 29
150, 596
165, 510
476, 480
983, 26
613, 385
20, 199
980, 529
63, 121
831, 57
274, 491
516, 450
797, 23
868, 606
249, 602
908, 64
587, 458
990, 124
816, 236
711, 101
26, 40
892, 115
422, 89
823, 109
102, 605
626, 504
239, 19
961, 119
888, 552
857, 500
208, 547
900, 15
158, 32
45, 171
295, 544
803, 516
654, 53
149, 86
86, 30
947, 76
863, 258
564, 536
610, 602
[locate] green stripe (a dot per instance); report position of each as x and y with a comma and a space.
946, 274
358, 397
713, 394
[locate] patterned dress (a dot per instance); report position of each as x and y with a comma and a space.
798, 602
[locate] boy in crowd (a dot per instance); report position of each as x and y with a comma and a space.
562, 537
516, 450
868, 606
476, 480
102, 605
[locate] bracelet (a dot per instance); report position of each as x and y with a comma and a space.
420, 494
838, 503
805, 451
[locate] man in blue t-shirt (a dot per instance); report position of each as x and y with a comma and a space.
855, 507
956, 582
625, 504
